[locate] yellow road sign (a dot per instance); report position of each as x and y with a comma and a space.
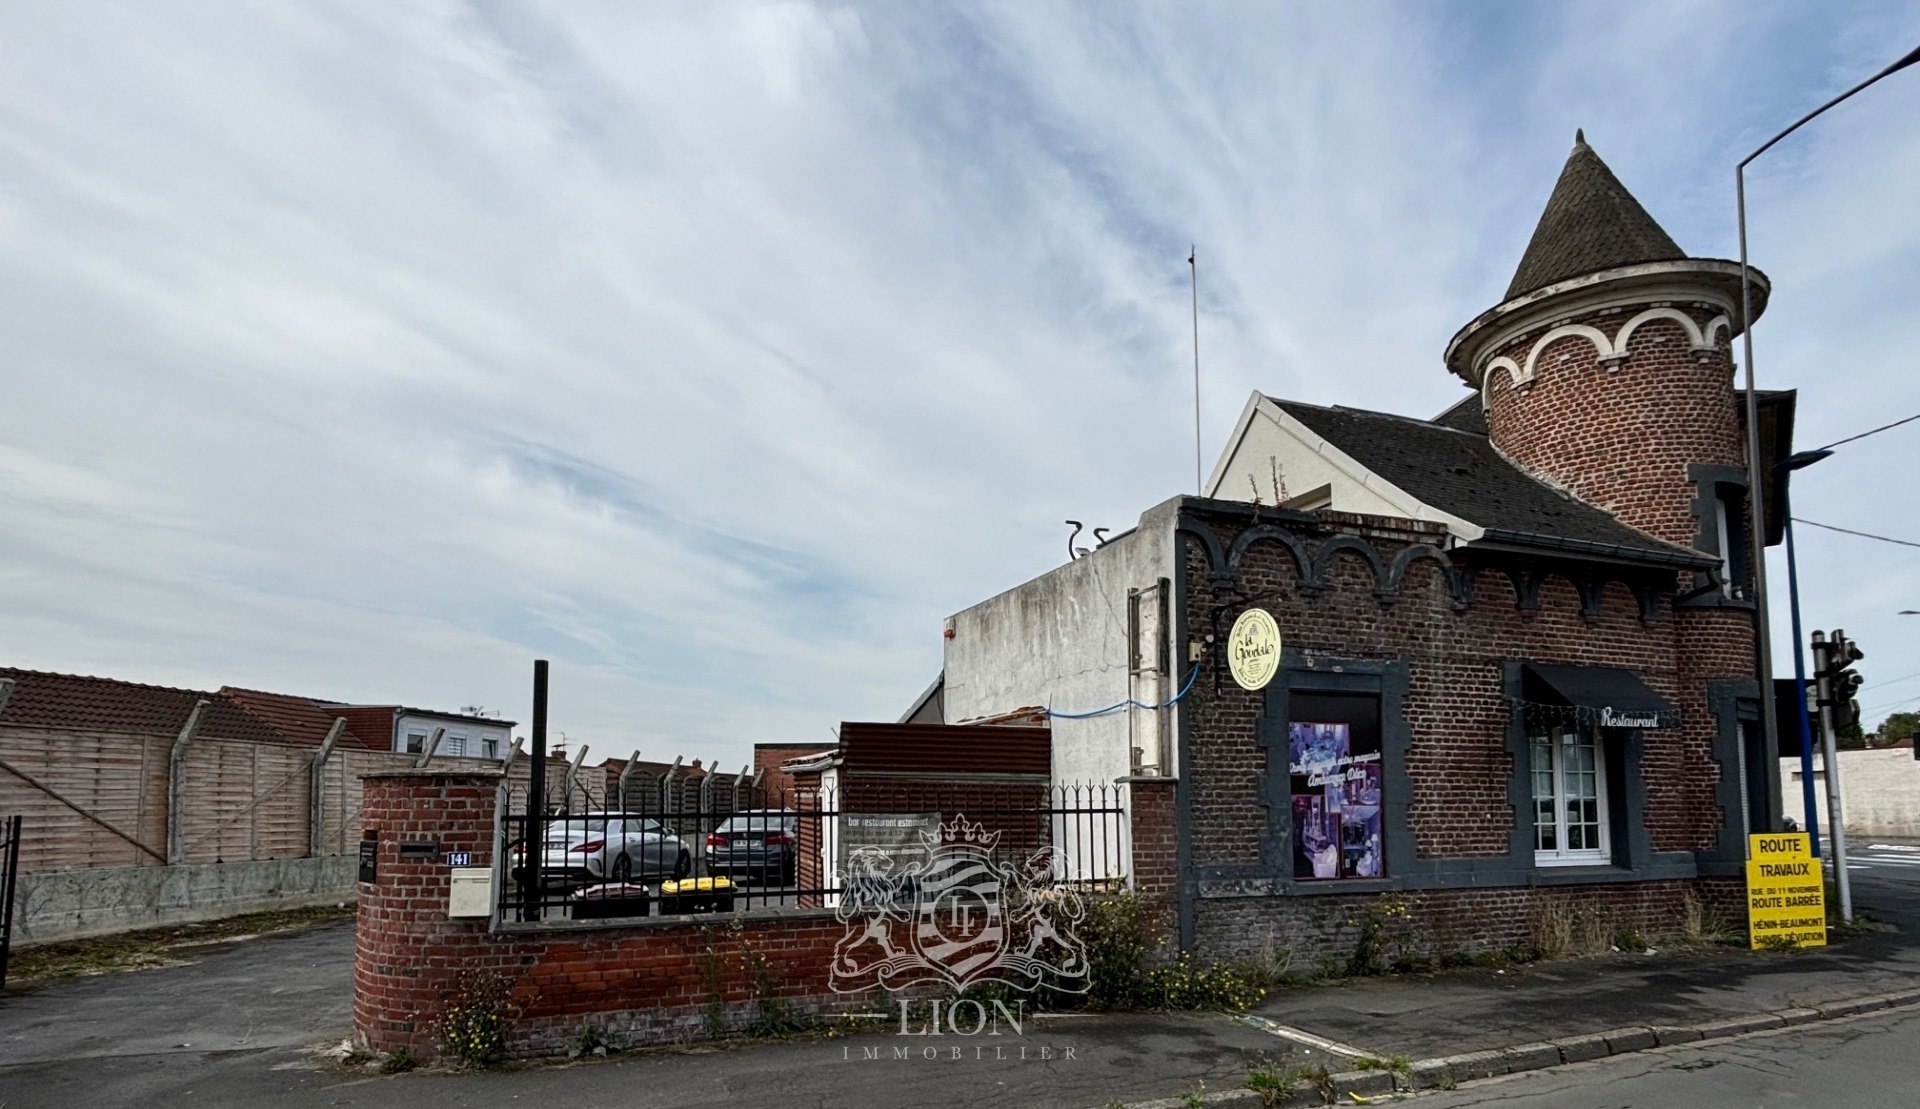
1786, 893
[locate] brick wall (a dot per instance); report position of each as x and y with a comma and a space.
1457, 713
1153, 834
1456, 706
1445, 922
1622, 434
652, 981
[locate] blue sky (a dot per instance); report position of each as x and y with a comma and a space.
717, 352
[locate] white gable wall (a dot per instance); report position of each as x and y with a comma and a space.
1267, 435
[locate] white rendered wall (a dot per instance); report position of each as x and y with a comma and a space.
423, 724
1879, 792
1060, 642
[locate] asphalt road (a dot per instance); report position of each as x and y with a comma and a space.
1862, 1063
1894, 862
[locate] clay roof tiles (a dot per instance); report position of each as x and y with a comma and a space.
82, 703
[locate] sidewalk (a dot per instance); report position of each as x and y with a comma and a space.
1423, 1016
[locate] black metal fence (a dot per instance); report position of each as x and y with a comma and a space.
9, 870
667, 854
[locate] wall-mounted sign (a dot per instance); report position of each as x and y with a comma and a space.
459, 858
1634, 718
1253, 649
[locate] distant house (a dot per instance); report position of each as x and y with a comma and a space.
68, 701
410, 730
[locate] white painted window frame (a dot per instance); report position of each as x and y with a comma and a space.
1560, 855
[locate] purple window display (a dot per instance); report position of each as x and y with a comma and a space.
1337, 828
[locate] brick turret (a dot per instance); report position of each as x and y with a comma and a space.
1607, 371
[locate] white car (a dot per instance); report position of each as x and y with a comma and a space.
607, 847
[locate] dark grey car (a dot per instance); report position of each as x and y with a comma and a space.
755, 846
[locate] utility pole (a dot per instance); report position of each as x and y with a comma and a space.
1824, 657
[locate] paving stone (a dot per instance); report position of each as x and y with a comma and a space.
1526, 1057
1791, 1017
1579, 1049
1428, 1073
1476, 1064
1668, 1034
1366, 1083
1852, 1007
1630, 1039
1735, 1026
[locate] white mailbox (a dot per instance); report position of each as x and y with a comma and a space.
472, 892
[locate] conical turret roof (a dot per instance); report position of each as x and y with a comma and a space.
1591, 223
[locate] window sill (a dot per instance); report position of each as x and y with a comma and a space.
1572, 874
1571, 862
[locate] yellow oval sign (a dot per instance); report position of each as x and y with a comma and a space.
1253, 649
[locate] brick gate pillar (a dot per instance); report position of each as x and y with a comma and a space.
408, 955
1154, 835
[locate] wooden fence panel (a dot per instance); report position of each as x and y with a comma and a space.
242, 800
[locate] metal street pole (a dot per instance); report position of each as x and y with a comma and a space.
1800, 696
1830, 752
1763, 633
533, 831
1800, 460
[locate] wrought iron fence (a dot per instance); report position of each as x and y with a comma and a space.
665, 853
9, 870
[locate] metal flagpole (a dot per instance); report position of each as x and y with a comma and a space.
1193, 266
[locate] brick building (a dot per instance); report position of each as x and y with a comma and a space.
1516, 652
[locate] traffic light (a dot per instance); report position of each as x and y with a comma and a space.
1839, 681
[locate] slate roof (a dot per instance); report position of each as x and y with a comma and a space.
1591, 223
1465, 416
1459, 472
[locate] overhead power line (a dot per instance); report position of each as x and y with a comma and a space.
1850, 531
1875, 431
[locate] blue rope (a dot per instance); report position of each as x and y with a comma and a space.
1130, 702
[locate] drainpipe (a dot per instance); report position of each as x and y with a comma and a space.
177, 786
316, 795
433, 744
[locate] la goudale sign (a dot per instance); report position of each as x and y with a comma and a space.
1253, 649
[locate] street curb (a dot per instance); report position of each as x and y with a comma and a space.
1427, 1074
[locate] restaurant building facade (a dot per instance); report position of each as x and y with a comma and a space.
1479, 663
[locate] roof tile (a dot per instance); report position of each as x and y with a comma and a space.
1591, 223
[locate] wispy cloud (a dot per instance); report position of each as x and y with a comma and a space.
719, 351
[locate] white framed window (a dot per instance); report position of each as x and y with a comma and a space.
454, 743
1569, 798
416, 742
489, 748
